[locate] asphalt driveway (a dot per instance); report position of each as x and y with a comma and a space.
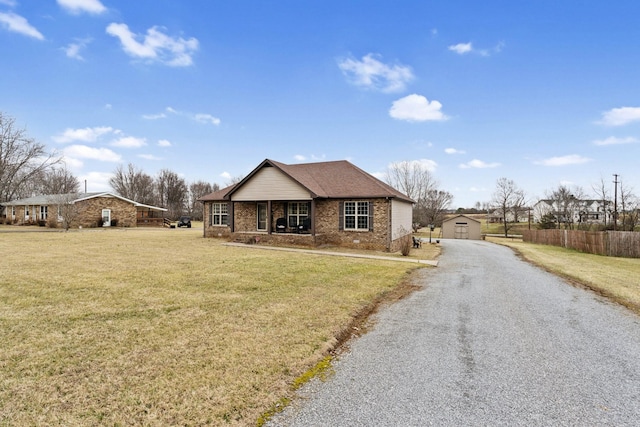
488, 340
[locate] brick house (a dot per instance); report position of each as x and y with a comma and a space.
83, 210
310, 204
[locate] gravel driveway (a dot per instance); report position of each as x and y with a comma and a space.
489, 340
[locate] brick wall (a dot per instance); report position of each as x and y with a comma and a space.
326, 227
89, 211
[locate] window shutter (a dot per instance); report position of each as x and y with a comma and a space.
286, 214
341, 216
370, 216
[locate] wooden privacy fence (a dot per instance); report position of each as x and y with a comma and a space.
610, 243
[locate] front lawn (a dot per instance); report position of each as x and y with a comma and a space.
163, 327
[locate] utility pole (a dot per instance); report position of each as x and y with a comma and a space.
615, 201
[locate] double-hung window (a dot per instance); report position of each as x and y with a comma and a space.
218, 214
356, 215
297, 213
43, 212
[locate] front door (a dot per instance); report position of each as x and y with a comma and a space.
262, 217
106, 217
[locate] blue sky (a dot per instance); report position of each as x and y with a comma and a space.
542, 92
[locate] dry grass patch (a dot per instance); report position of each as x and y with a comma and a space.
163, 327
615, 278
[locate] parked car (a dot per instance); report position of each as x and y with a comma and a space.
184, 221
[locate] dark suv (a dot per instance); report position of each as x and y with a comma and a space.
184, 221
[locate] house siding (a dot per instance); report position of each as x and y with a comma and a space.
402, 218
271, 184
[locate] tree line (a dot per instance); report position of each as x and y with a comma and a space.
571, 206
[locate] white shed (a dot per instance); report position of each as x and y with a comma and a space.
461, 227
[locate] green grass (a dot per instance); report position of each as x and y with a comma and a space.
163, 327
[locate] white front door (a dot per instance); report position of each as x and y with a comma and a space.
106, 217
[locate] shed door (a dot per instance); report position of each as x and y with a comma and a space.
461, 230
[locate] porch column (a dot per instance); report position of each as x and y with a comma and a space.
313, 217
230, 217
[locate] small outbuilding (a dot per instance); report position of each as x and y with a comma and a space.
461, 227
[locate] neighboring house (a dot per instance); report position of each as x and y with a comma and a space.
461, 227
83, 210
311, 204
496, 216
575, 211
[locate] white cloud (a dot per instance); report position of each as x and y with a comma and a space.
10, 3
427, 164
461, 48
464, 48
73, 49
226, 175
19, 24
198, 117
478, 164
84, 134
299, 158
207, 119
620, 116
164, 143
78, 6
572, 159
149, 157
612, 140
454, 151
96, 181
85, 152
154, 116
416, 108
373, 74
155, 45
129, 142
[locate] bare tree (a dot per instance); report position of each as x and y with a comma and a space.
196, 190
629, 204
601, 189
171, 192
508, 200
414, 179
133, 184
67, 210
567, 204
21, 158
59, 181
431, 208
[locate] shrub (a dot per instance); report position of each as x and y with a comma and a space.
406, 242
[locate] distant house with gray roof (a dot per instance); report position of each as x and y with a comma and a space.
310, 204
102, 209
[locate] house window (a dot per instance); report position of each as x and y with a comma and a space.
13, 212
297, 212
26, 212
218, 215
43, 212
262, 216
356, 215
